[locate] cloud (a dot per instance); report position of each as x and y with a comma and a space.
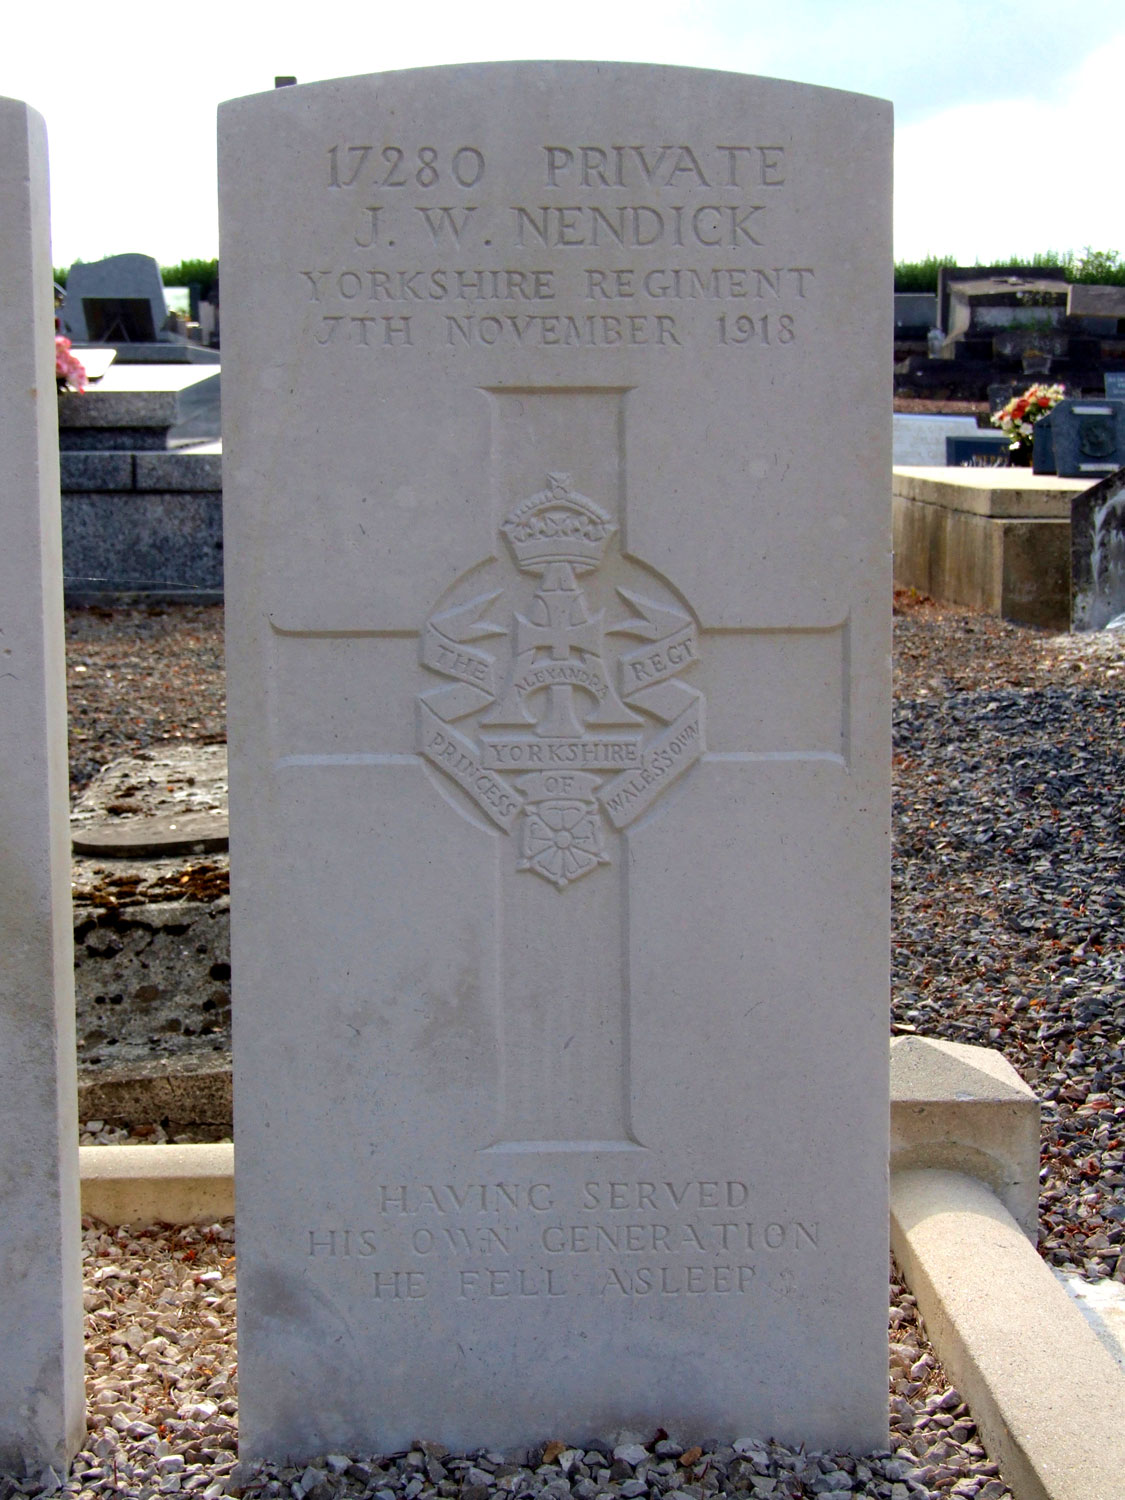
1004, 141
1016, 175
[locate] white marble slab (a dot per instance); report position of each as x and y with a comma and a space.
557, 544
42, 1402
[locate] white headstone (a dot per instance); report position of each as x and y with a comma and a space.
42, 1416
557, 536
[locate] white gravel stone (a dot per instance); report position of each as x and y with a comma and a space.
170, 1427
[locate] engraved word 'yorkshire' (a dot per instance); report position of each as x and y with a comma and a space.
564, 733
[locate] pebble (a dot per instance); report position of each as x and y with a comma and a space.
168, 1424
1008, 892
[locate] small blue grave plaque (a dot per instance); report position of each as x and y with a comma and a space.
1087, 438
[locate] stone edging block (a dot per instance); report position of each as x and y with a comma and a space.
966, 1109
1048, 1399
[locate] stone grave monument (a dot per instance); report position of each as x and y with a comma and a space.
119, 300
42, 1402
557, 534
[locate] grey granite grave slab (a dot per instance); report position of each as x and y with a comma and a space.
178, 471
94, 470
108, 420
122, 295
162, 544
42, 1403
919, 438
1087, 437
556, 483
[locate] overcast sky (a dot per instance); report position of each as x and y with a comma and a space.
1008, 112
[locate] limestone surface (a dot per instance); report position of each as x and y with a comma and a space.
41, 1396
558, 811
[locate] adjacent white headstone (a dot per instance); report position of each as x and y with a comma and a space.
557, 457
41, 1396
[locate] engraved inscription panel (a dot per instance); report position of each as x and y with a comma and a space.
602, 1238
565, 714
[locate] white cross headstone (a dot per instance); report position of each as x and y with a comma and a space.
42, 1403
558, 624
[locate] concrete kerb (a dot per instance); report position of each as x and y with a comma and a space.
966, 1109
1048, 1399
186, 1184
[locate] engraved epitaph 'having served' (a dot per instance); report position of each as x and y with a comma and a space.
557, 540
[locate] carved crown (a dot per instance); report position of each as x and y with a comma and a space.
557, 525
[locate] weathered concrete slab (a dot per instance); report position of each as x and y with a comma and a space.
996, 540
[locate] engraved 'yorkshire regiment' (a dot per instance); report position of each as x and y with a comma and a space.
545, 728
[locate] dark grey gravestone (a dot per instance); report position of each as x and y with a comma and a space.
1043, 447
962, 450
1088, 438
1097, 554
118, 300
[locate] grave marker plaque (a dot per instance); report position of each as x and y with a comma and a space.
42, 1407
558, 565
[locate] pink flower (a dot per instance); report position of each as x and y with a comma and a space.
68, 367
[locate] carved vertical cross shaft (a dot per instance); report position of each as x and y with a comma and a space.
568, 787
565, 629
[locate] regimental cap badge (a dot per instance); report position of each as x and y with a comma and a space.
557, 525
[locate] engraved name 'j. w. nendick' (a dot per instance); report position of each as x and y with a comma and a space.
554, 721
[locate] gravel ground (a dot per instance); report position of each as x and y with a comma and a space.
139, 676
162, 1392
1008, 887
1008, 813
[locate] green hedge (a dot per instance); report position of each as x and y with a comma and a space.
1098, 266
203, 273
1102, 267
